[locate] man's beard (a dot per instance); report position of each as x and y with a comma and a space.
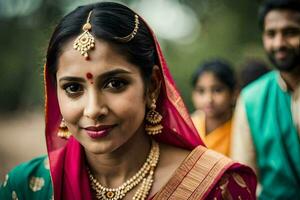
292, 60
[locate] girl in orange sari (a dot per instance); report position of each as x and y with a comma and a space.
116, 127
214, 96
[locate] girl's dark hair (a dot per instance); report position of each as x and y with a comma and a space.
269, 5
108, 20
220, 68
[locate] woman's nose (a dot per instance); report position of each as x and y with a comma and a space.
95, 106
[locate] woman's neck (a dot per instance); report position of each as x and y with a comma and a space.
212, 123
115, 168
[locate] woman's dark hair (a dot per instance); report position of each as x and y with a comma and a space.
108, 20
269, 5
220, 68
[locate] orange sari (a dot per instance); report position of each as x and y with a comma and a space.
218, 139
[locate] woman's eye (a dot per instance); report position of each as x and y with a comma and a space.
115, 84
73, 88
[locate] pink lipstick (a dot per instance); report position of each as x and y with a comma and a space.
96, 132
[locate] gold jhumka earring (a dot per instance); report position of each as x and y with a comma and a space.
85, 41
132, 34
63, 131
153, 118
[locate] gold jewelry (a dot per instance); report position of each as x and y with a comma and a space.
63, 130
85, 41
144, 175
133, 33
153, 118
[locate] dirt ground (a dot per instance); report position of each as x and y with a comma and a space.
22, 138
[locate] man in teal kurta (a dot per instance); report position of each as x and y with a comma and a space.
267, 118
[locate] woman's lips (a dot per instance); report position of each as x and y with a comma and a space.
98, 131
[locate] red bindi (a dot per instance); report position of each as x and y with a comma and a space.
89, 76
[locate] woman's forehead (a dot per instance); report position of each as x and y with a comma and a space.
101, 59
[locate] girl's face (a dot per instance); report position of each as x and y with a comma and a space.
212, 96
101, 99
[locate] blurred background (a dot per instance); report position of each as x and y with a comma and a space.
190, 31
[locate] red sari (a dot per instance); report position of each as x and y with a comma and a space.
68, 167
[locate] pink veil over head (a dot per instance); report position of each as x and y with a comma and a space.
67, 165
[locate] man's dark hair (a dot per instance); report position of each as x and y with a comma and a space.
269, 5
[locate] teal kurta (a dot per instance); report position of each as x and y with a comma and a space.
275, 137
30, 180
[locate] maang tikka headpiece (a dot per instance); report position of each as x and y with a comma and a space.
85, 41
133, 33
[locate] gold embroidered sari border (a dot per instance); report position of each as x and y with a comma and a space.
179, 174
219, 166
195, 176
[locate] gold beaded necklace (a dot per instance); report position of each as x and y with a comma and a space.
145, 176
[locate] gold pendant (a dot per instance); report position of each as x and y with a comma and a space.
84, 43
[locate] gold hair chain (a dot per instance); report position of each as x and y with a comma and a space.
133, 33
86, 41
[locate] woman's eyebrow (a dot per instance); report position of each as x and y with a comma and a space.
71, 78
110, 73
114, 72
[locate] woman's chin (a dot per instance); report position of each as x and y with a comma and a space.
96, 147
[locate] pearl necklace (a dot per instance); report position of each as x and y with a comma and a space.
144, 175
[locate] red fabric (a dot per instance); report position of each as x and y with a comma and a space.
67, 163
233, 189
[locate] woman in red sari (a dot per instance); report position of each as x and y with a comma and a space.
116, 126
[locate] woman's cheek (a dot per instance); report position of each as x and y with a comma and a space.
71, 109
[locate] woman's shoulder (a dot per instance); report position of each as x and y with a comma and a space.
33, 164
34, 168
27, 179
171, 155
203, 172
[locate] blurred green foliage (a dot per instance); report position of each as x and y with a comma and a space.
228, 29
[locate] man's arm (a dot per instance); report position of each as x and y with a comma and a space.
242, 148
